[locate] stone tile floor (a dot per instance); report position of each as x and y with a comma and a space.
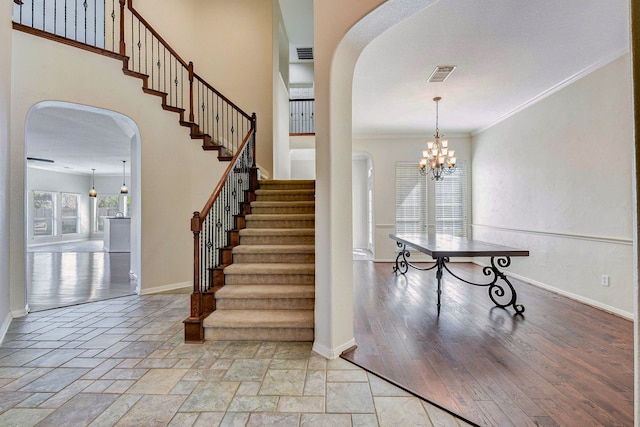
123, 362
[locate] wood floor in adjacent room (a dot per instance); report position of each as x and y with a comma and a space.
65, 274
561, 364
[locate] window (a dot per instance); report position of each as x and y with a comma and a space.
411, 199
106, 206
451, 203
44, 208
69, 207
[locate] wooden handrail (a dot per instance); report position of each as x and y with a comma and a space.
155, 33
207, 207
247, 116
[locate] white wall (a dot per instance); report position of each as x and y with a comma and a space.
385, 152
176, 175
338, 41
301, 74
44, 180
5, 128
360, 202
281, 151
333, 77
557, 179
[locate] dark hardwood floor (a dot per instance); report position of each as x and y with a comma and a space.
561, 364
75, 273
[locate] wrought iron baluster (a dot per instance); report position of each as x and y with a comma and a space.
84, 5
164, 68
113, 25
158, 64
152, 60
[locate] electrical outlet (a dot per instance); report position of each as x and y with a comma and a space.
604, 280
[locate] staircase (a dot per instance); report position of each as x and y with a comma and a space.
268, 291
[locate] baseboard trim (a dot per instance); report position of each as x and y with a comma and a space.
170, 287
332, 353
570, 295
20, 313
5, 327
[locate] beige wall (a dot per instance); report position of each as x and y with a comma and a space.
176, 175
557, 179
5, 127
230, 44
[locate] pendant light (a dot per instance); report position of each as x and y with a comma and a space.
123, 189
93, 192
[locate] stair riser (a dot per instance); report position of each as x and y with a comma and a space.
283, 210
259, 334
274, 258
269, 279
277, 240
294, 197
270, 185
280, 223
265, 304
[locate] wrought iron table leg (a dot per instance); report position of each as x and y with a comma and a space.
497, 292
440, 264
402, 265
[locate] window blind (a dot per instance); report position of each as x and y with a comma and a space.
411, 199
451, 203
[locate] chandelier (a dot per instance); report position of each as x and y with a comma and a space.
437, 159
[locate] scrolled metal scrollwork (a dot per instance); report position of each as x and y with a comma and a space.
497, 291
402, 263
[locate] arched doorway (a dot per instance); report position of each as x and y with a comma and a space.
70, 149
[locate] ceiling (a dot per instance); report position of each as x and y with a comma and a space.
78, 139
508, 54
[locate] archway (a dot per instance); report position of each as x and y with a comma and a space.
70, 149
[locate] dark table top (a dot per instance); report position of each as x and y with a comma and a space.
440, 245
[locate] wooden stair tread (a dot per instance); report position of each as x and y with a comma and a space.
266, 291
260, 319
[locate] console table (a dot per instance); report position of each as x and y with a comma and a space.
443, 247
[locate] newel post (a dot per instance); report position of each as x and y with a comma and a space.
196, 227
191, 116
193, 328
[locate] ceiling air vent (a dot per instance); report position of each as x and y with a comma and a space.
441, 73
305, 53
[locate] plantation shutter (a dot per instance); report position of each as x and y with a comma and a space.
411, 199
451, 203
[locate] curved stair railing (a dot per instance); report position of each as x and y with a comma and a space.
216, 230
116, 29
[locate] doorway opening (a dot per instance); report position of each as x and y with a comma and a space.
80, 246
362, 200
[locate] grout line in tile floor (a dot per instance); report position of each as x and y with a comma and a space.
123, 362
